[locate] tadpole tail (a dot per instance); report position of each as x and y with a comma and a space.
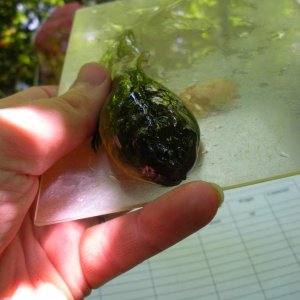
127, 45
123, 54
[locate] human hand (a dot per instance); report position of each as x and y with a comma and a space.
66, 260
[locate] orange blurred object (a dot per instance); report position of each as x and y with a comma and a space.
51, 41
208, 96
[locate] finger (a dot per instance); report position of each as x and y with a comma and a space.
17, 193
35, 135
113, 247
28, 96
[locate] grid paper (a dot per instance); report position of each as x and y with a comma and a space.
251, 250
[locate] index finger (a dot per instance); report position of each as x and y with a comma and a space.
113, 247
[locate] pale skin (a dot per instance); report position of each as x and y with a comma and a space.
67, 260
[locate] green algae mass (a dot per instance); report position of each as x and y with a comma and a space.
145, 128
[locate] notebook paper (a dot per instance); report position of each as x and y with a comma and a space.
251, 250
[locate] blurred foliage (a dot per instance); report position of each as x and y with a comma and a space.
19, 22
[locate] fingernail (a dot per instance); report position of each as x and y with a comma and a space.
92, 74
219, 192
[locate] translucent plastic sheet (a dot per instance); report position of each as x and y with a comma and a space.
244, 57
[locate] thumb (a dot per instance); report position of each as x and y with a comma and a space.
38, 133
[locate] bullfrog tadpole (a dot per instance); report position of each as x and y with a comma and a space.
145, 128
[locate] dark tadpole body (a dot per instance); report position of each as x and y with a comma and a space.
145, 128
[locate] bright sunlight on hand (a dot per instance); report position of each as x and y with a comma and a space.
67, 260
